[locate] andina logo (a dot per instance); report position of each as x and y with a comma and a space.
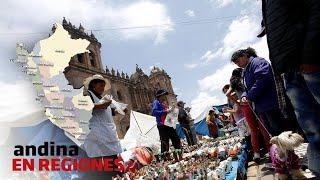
51, 157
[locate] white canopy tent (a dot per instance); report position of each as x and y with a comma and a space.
204, 114
142, 132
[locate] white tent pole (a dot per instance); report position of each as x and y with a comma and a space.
136, 122
150, 129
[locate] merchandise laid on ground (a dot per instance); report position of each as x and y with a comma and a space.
221, 158
225, 157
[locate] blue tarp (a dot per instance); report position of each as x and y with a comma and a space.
200, 124
239, 165
201, 129
180, 132
232, 175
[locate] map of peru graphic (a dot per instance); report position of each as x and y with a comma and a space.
64, 106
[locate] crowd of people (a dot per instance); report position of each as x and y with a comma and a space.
253, 107
264, 99
284, 94
270, 98
257, 93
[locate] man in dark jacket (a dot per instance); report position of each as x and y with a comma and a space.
184, 122
193, 129
293, 35
260, 89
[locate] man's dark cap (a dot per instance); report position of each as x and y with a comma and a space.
180, 103
161, 92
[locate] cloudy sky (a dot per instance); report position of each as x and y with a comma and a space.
191, 40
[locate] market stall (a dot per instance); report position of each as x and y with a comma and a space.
220, 158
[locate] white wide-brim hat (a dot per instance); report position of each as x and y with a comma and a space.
87, 81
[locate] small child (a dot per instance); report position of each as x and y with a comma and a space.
238, 116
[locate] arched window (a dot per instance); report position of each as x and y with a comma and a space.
119, 96
92, 59
79, 57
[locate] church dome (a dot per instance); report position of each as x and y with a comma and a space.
155, 70
139, 75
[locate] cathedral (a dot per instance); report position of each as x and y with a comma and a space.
136, 90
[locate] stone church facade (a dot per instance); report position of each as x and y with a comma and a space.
137, 90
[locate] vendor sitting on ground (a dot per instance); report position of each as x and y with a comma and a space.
213, 124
